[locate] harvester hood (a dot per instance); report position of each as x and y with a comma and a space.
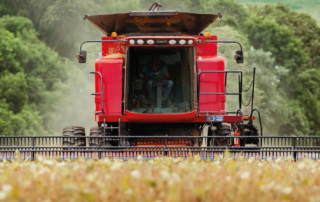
152, 22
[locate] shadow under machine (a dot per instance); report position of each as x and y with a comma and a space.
159, 75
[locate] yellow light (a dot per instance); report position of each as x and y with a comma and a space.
114, 34
207, 35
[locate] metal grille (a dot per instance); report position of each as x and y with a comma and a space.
158, 146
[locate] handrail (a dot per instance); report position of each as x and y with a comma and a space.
239, 110
210, 41
101, 93
252, 95
101, 41
251, 122
225, 93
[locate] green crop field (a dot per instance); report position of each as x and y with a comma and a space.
311, 7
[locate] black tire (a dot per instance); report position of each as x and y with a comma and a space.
74, 136
222, 130
97, 131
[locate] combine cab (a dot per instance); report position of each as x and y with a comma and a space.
159, 76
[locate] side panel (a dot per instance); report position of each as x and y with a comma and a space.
161, 118
211, 83
111, 70
206, 49
111, 48
173, 118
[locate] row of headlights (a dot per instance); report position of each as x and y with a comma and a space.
161, 42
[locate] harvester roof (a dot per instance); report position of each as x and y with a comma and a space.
152, 22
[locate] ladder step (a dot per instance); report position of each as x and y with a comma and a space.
112, 127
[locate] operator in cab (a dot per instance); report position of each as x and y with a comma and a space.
156, 71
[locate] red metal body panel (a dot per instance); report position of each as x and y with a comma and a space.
206, 49
226, 119
169, 118
111, 118
111, 70
211, 83
207, 60
200, 119
111, 48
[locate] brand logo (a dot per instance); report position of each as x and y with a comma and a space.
215, 118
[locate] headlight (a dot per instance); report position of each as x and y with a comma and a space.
172, 42
182, 42
190, 42
131, 42
150, 42
140, 41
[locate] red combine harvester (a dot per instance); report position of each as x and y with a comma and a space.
159, 76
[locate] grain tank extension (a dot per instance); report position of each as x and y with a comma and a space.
160, 76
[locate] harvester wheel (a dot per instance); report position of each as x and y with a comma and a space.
98, 131
222, 130
74, 136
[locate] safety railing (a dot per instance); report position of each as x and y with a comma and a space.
240, 77
101, 93
225, 93
128, 147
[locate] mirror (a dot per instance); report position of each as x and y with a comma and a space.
82, 56
239, 56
